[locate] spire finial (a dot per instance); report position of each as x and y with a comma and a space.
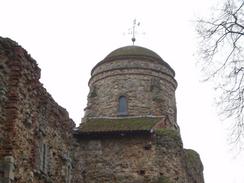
133, 31
135, 24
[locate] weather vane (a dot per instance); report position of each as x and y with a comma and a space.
133, 31
135, 24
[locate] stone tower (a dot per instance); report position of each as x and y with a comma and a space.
129, 132
139, 77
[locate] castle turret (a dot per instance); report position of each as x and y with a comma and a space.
129, 133
132, 81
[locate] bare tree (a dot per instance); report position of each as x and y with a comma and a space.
222, 58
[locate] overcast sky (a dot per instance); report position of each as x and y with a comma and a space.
68, 37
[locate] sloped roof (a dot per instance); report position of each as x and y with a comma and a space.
119, 125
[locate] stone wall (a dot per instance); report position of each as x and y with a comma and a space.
194, 165
38, 132
148, 86
146, 63
4, 75
159, 158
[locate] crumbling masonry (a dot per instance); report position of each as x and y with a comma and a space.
129, 133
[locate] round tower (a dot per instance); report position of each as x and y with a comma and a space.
132, 81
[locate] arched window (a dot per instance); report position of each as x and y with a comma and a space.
122, 110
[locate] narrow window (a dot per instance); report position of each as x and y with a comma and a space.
68, 173
44, 158
122, 106
68, 168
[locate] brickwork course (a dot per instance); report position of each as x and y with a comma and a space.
129, 133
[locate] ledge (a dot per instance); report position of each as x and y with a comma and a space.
120, 126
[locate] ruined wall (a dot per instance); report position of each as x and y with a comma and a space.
139, 81
194, 165
38, 138
156, 159
4, 76
4, 73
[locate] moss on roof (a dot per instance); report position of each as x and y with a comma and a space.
120, 125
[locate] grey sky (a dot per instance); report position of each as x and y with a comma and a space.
68, 37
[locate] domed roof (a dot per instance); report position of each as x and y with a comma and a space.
132, 51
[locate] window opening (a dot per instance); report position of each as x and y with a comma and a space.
123, 107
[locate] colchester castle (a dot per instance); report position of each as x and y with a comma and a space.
129, 133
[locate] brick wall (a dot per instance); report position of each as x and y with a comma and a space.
38, 132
